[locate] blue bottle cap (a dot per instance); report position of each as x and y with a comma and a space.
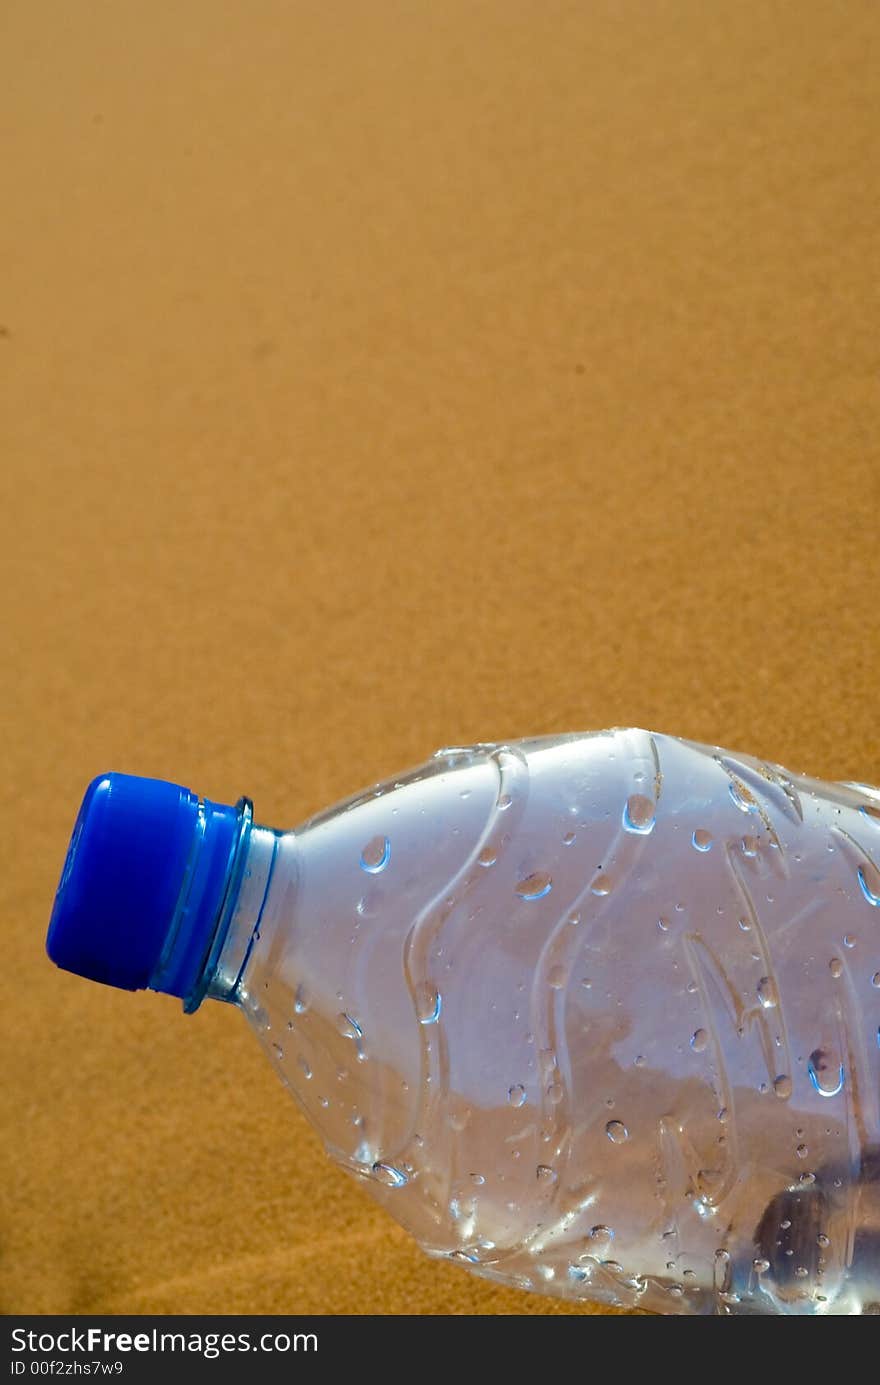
147, 887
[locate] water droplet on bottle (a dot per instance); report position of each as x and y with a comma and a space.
376, 855
348, 1027
823, 1240
601, 1236
389, 1175
487, 857
702, 839
768, 995
429, 1003
875, 979
750, 846
616, 1132
639, 814
555, 1093
301, 1000
699, 1040
760, 1266
835, 966
516, 1094
745, 925
278, 1050
723, 1115
504, 802
305, 1066
869, 883
849, 940
568, 839
557, 977
602, 885
535, 886
826, 1074
807, 1178
802, 1151
783, 1086
545, 1174
663, 924
742, 797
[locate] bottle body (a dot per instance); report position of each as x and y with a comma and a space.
594, 1015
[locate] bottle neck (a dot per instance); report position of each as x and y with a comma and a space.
239, 923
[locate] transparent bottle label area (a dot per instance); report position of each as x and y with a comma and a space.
597, 1016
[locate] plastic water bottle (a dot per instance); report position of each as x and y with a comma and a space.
595, 1015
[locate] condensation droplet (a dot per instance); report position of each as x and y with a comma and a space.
783, 1086
869, 883
504, 802
825, 1072
555, 1093
699, 1040
616, 1132
516, 1094
429, 1003
601, 1236
875, 980
376, 855
487, 857
557, 977
568, 839
306, 1067
802, 1151
702, 839
768, 994
639, 814
278, 1050
545, 1174
750, 846
301, 1000
535, 886
742, 797
389, 1175
745, 925
849, 940
663, 924
835, 966
348, 1027
760, 1266
602, 885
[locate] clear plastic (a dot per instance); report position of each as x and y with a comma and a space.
594, 1015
